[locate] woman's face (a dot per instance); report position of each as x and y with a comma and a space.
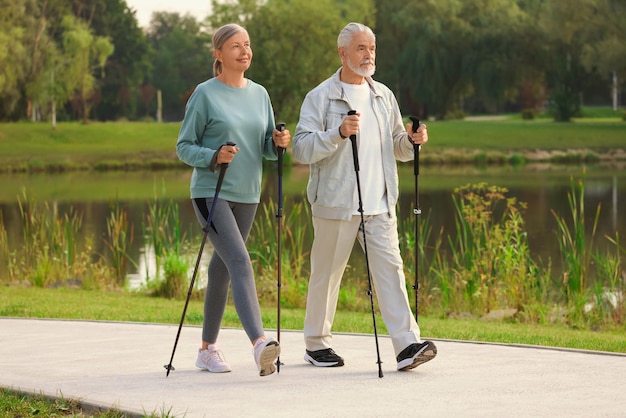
236, 53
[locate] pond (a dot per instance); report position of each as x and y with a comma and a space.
544, 188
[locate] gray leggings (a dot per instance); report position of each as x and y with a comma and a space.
230, 264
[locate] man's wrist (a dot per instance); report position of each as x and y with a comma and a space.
340, 134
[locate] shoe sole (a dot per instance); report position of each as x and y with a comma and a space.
212, 371
267, 357
427, 353
311, 360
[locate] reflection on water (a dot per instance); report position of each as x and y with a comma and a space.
543, 188
147, 267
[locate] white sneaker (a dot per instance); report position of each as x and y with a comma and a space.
265, 354
212, 360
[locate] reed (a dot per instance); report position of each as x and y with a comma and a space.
161, 231
484, 265
575, 246
163, 234
54, 252
263, 247
119, 238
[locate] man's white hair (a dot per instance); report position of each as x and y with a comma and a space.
348, 32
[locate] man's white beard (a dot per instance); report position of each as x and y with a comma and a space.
363, 72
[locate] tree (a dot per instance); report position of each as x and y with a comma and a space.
44, 22
292, 59
182, 59
130, 64
605, 50
564, 24
455, 49
13, 55
88, 53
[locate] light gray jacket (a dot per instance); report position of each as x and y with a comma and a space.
317, 142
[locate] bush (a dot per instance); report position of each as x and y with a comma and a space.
529, 114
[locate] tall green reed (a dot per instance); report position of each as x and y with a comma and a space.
575, 246
263, 247
617, 275
120, 237
7, 257
163, 235
53, 252
426, 256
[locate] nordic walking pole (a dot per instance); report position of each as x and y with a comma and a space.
279, 216
355, 155
416, 210
209, 224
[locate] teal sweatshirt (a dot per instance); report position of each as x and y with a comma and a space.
216, 114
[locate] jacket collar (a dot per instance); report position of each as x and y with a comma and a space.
336, 91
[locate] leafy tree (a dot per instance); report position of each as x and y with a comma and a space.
456, 49
605, 49
564, 24
182, 59
129, 65
13, 55
44, 21
232, 11
88, 53
291, 59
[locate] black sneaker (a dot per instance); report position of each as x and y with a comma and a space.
416, 354
323, 358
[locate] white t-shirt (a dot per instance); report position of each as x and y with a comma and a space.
371, 174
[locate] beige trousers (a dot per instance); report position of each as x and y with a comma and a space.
332, 245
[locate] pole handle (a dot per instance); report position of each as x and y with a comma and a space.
281, 151
416, 148
355, 151
224, 166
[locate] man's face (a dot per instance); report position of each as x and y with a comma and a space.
360, 55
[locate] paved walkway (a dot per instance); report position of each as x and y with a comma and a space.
121, 365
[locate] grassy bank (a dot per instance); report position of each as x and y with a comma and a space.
118, 306
28, 147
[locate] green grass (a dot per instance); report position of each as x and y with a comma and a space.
121, 306
28, 146
75, 145
512, 135
20, 404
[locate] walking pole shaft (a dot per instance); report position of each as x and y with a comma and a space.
416, 211
355, 155
279, 216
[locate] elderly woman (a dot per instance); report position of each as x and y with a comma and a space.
230, 108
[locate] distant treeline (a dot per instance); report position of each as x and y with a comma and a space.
89, 59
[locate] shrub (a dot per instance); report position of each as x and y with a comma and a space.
529, 114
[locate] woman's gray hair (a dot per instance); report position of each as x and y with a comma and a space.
348, 32
221, 35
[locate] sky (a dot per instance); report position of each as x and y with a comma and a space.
144, 8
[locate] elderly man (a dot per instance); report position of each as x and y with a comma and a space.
320, 141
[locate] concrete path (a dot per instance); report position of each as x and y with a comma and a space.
121, 365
